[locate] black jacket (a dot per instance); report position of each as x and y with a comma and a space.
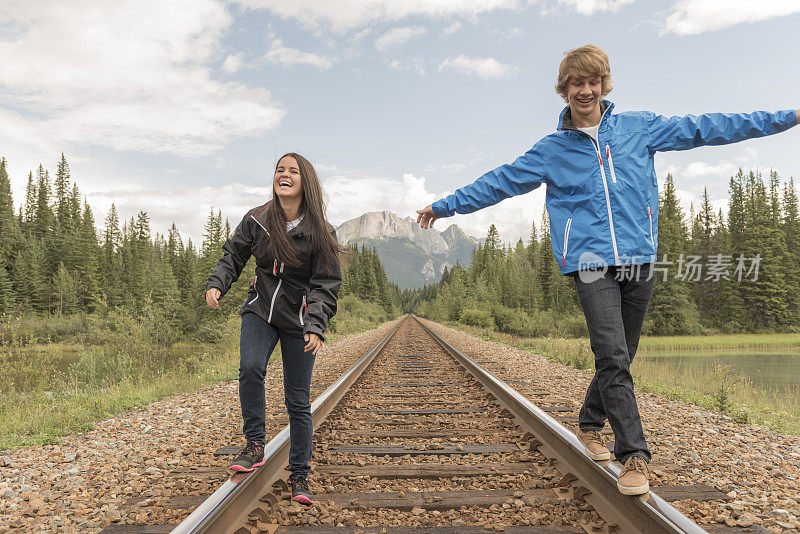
298, 300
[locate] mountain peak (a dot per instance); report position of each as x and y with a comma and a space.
411, 255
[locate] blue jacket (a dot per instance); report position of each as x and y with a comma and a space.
602, 201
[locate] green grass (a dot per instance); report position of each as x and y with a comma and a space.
132, 364
718, 389
721, 341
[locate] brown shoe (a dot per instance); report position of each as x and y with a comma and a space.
635, 476
593, 444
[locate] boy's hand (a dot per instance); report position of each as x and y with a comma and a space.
798, 116
426, 217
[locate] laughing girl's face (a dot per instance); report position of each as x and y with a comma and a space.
287, 182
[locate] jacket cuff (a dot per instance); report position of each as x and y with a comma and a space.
215, 285
791, 118
313, 329
440, 208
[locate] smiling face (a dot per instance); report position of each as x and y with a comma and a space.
584, 96
287, 182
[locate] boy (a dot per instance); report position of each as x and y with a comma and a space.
602, 201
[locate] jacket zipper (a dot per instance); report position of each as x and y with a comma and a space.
650, 218
256, 288
610, 164
605, 187
274, 296
566, 239
258, 223
302, 311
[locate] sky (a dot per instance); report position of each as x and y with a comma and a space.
176, 108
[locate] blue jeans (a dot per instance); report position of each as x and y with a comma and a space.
614, 307
258, 340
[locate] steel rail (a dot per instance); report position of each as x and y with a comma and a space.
228, 507
634, 515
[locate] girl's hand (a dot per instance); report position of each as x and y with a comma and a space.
426, 217
313, 343
798, 116
212, 298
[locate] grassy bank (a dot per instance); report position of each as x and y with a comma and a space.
719, 389
120, 364
720, 341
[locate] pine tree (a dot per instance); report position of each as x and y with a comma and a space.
62, 192
705, 291
29, 210
87, 265
8, 223
65, 297
111, 269
6, 289
791, 236
671, 309
546, 265
765, 297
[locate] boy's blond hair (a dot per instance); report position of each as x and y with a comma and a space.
584, 62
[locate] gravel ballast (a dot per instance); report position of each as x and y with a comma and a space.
758, 468
124, 469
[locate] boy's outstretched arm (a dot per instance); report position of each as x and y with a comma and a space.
525, 174
691, 131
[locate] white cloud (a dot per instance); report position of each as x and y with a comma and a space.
233, 63
415, 64
284, 55
397, 36
347, 15
482, 67
689, 17
453, 28
590, 7
128, 75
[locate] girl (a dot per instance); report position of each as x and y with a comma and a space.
292, 299
602, 201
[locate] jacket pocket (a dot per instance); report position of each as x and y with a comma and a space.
255, 288
272, 302
650, 221
566, 240
303, 308
611, 164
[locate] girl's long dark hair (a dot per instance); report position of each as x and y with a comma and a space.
312, 207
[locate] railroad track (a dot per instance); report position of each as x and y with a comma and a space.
415, 434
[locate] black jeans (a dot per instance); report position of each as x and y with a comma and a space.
614, 304
258, 340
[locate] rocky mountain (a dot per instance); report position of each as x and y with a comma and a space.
412, 256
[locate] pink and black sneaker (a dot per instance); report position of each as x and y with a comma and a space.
300, 491
249, 458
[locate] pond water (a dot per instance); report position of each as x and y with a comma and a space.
766, 368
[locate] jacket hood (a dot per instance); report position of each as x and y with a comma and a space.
565, 117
